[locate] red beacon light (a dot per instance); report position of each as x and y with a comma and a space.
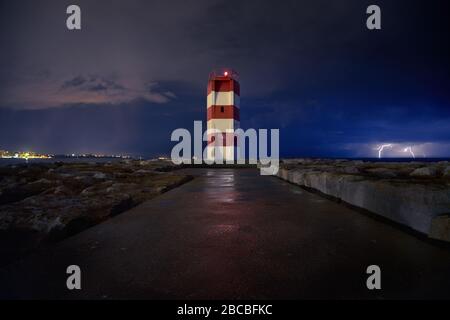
226, 73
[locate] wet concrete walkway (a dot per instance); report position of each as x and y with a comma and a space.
233, 234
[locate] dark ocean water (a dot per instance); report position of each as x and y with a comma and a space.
5, 162
394, 159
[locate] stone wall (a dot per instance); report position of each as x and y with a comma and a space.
413, 194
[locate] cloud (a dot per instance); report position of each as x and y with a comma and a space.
47, 91
399, 149
161, 41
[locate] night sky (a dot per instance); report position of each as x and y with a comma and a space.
138, 70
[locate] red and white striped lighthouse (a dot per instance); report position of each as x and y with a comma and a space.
223, 113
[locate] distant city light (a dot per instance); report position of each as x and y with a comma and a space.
4, 154
225, 73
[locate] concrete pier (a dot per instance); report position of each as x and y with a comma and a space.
233, 234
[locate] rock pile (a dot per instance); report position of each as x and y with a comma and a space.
54, 201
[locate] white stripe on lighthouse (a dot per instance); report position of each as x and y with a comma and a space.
223, 124
223, 99
214, 153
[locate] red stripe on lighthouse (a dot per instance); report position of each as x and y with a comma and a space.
224, 84
223, 112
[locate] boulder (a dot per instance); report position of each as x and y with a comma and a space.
16, 193
446, 172
99, 176
85, 180
120, 187
41, 182
382, 172
62, 191
350, 170
142, 172
425, 172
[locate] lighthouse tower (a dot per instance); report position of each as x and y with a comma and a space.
222, 113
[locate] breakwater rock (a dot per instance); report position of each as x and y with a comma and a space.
414, 194
40, 202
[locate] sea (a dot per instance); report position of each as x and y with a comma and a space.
6, 162
392, 159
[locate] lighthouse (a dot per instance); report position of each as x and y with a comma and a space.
223, 98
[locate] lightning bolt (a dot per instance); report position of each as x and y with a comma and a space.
409, 149
381, 148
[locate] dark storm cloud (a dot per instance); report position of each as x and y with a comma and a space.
91, 83
155, 41
310, 68
75, 82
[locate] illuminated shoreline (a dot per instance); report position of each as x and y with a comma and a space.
23, 155
32, 155
27, 158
